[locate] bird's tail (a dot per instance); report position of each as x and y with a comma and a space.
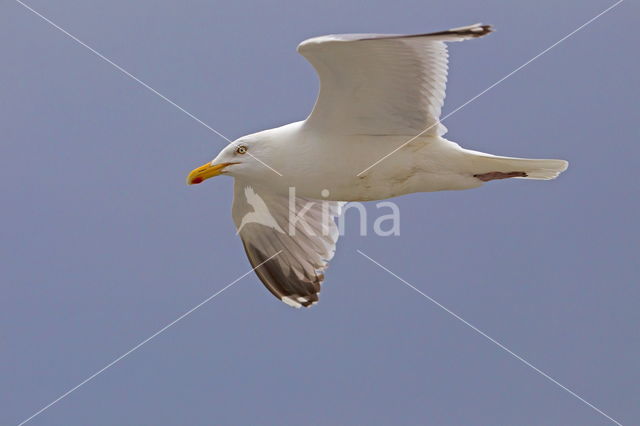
489, 167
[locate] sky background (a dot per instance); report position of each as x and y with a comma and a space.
102, 243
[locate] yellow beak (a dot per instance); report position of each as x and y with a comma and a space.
205, 172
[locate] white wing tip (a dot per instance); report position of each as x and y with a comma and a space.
467, 32
291, 302
298, 302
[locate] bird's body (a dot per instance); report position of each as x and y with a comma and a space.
374, 133
333, 162
428, 164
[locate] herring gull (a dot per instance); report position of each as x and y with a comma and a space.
377, 93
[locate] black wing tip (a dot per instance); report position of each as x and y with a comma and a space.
472, 31
477, 31
454, 34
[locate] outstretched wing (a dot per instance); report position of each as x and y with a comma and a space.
304, 236
376, 84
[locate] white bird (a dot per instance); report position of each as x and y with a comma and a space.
374, 133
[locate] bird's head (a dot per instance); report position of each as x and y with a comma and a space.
233, 160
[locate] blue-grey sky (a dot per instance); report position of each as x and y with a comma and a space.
102, 243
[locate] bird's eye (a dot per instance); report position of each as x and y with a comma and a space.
241, 149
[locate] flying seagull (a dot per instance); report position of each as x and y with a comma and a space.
377, 92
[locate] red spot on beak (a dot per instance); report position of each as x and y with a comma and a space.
196, 180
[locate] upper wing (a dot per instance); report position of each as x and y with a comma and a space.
304, 240
382, 84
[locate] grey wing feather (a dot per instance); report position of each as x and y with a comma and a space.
304, 247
